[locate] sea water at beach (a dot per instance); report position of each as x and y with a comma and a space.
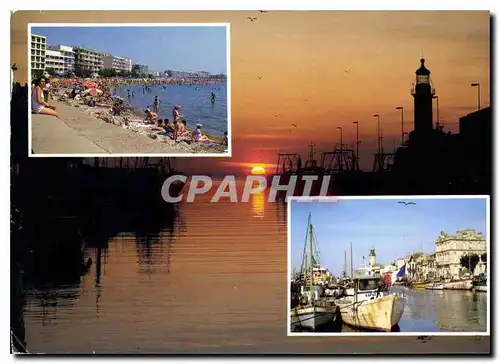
194, 99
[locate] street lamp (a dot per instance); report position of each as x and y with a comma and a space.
357, 143
478, 85
437, 109
341, 141
377, 116
402, 125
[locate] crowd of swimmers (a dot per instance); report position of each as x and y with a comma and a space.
177, 127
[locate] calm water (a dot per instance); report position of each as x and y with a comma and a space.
438, 311
216, 282
194, 99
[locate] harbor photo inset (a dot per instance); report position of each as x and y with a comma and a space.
399, 265
129, 89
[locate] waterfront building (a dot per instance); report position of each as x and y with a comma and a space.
450, 248
429, 270
68, 56
54, 61
88, 59
119, 64
140, 69
38, 48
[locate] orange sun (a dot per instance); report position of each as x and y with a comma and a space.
258, 170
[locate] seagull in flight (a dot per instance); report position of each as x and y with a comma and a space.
14, 67
259, 77
263, 11
276, 115
251, 19
294, 125
407, 203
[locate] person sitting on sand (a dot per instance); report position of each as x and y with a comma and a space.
38, 103
176, 114
198, 136
150, 116
168, 126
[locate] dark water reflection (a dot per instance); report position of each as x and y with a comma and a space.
217, 279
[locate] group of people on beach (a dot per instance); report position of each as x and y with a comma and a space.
177, 128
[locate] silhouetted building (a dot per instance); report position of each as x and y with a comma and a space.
423, 94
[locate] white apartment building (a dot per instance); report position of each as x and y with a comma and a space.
450, 248
54, 60
87, 59
68, 56
38, 46
119, 64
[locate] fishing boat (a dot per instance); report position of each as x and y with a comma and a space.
310, 178
313, 311
369, 307
418, 284
435, 286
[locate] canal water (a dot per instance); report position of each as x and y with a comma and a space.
437, 311
213, 281
194, 99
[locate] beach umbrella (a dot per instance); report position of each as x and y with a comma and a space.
93, 91
90, 84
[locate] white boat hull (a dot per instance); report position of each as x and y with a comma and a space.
481, 288
312, 318
465, 285
378, 314
435, 286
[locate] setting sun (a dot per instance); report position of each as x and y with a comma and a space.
258, 170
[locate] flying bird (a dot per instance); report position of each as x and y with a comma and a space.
276, 115
259, 77
346, 71
294, 125
251, 18
13, 67
263, 11
407, 203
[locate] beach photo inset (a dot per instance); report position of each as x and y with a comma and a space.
129, 89
395, 265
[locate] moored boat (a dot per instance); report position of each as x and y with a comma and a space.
463, 285
418, 284
312, 310
370, 308
434, 286
479, 284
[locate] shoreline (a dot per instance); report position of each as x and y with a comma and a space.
131, 120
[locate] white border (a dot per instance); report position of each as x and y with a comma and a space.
394, 197
84, 155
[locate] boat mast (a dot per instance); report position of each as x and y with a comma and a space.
345, 263
351, 262
311, 257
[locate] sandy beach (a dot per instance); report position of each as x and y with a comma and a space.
93, 130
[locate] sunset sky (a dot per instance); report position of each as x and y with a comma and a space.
321, 70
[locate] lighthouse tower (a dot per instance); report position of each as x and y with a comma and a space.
423, 94
372, 256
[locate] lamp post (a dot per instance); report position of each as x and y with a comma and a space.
478, 85
377, 116
437, 109
402, 125
357, 143
341, 140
